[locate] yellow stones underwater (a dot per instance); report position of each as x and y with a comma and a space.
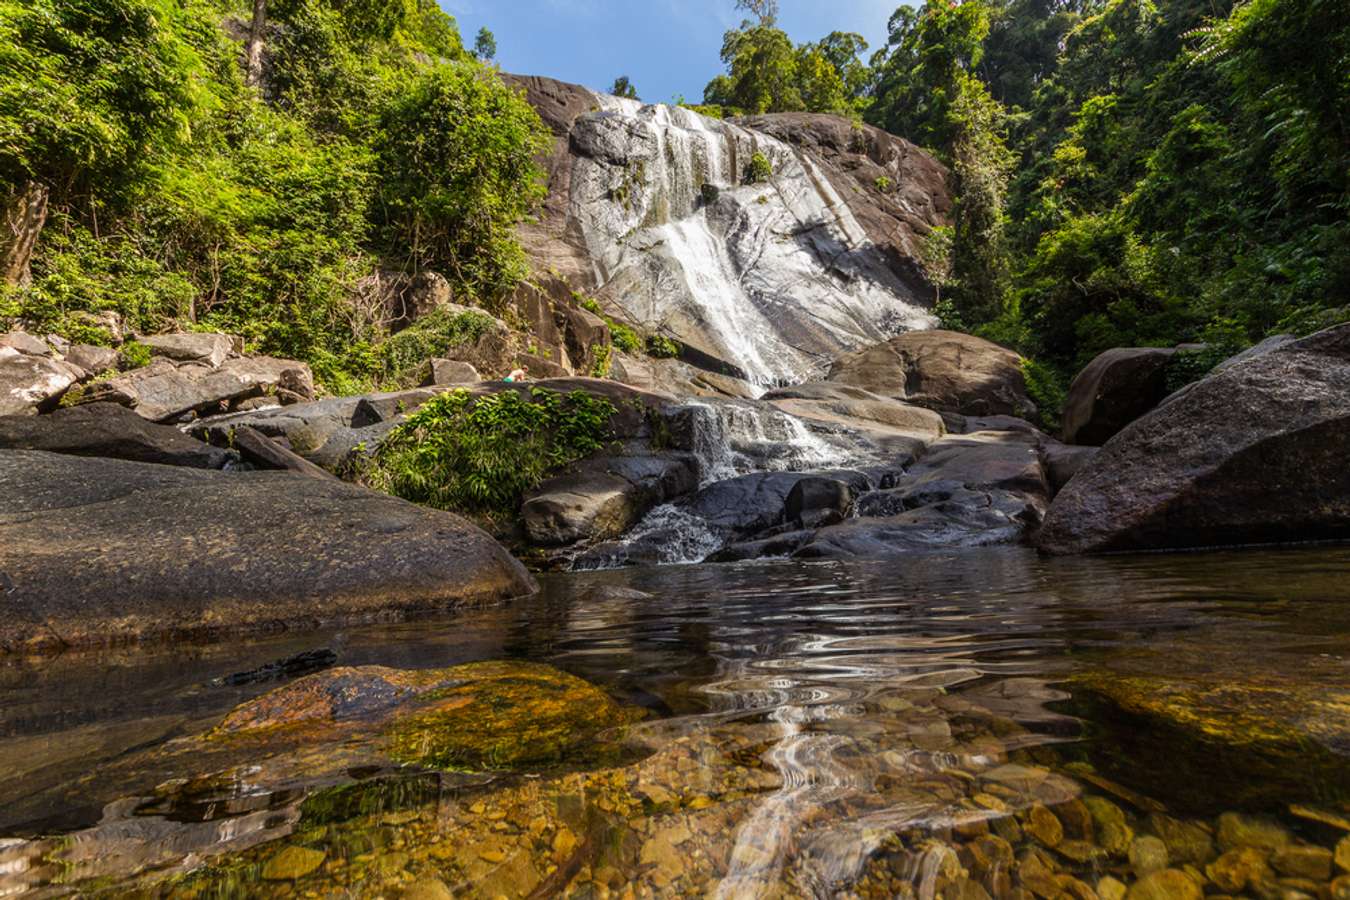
504, 715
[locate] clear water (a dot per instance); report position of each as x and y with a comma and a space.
896, 728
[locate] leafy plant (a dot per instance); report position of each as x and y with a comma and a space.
433, 335
479, 455
759, 169
662, 347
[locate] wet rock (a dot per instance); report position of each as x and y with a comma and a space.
1109, 888
1186, 842
1303, 861
1239, 830
428, 889
449, 371
210, 349
93, 360
1148, 855
1339, 889
942, 370
506, 716
843, 404
1236, 870
1343, 854
601, 498
290, 667
780, 545
112, 431
1167, 884
1044, 826
291, 863
32, 384
220, 552
163, 391
1251, 454
1114, 389
816, 495
1112, 831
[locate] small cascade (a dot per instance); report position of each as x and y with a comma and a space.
733, 438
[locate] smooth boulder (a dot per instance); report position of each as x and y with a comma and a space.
31, 384
112, 431
941, 370
99, 551
1254, 453
1113, 390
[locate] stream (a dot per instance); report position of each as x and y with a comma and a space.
968, 724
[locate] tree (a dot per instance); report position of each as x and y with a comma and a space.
761, 72
765, 11
485, 45
624, 88
253, 47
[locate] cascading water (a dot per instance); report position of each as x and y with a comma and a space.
775, 279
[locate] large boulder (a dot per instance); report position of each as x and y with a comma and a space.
601, 498
843, 404
98, 551
1253, 453
112, 431
202, 347
30, 384
941, 370
1112, 391
163, 391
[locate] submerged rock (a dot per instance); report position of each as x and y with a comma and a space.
1254, 453
99, 551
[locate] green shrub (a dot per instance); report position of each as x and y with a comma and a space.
1047, 391
604, 359
133, 355
662, 347
479, 455
759, 169
433, 335
883, 184
625, 338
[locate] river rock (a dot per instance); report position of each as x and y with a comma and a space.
164, 391
210, 349
93, 360
112, 431
99, 551
941, 370
1236, 870
1112, 391
1251, 454
291, 863
1169, 884
32, 384
601, 498
1303, 861
1063, 461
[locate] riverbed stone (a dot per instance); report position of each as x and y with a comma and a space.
1165, 884
1236, 870
291, 863
1254, 453
1187, 842
1343, 854
100, 551
1303, 861
1148, 854
1241, 830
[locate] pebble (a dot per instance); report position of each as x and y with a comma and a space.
1147, 856
1235, 870
1303, 861
1109, 888
428, 889
1238, 830
292, 863
1044, 826
1165, 884
1343, 855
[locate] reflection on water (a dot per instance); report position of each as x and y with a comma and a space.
975, 724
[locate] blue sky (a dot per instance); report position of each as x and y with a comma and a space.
667, 47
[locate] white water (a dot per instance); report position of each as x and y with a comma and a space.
775, 279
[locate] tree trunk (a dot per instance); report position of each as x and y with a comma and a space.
254, 48
25, 214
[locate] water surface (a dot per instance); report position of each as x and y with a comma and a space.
906, 727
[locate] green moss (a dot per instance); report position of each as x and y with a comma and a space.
662, 347
509, 715
479, 454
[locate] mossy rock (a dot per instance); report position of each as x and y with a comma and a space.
508, 715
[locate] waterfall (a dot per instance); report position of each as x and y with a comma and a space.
775, 279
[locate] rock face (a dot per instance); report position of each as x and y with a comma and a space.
1253, 453
111, 431
941, 370
1112, 391
98, 551
651, 209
